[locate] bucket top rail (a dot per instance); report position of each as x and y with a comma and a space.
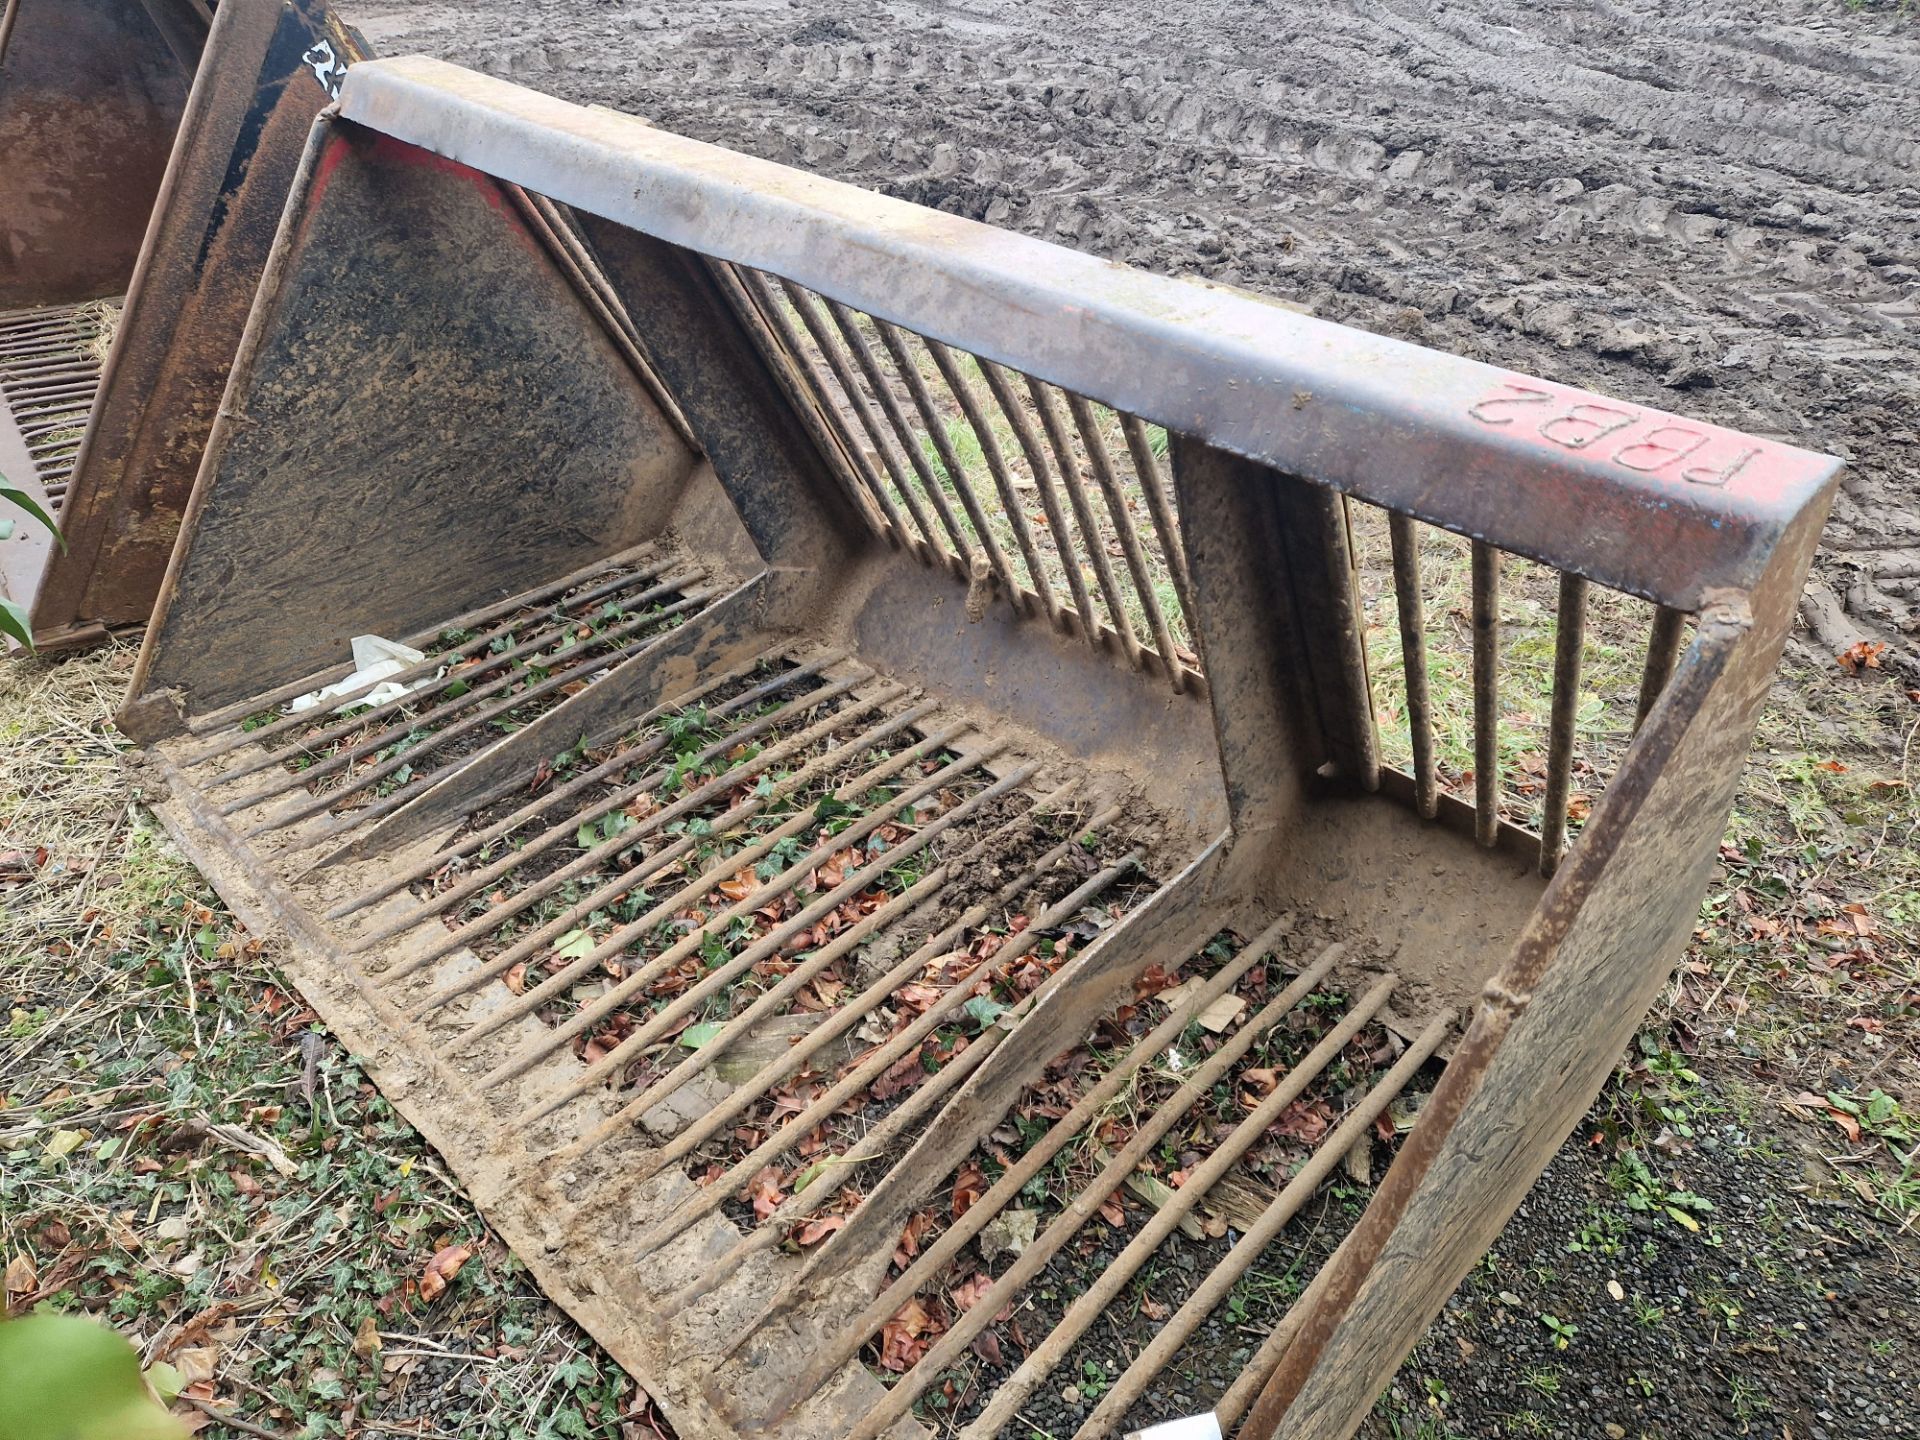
1628, 496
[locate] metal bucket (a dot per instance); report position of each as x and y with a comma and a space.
892, 843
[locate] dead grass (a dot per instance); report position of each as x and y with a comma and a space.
98, 323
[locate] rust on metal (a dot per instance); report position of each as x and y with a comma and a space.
905, 745
91, 93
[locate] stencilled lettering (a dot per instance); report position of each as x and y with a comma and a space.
1646, 445
327, 66
1522, 396
1664, 446
1704, 475
1585, 424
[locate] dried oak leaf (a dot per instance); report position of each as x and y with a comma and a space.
1861, 655
21, 1275
904, 1074
908, 1336
917, 1226
1305, 1121
970, 1293
968, 1186
441, 1269
1151, 982
766, 1192
815, 1231
1260, 1082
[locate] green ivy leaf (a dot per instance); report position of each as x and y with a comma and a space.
574, 945
984, 1009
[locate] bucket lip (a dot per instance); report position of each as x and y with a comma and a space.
1633, 497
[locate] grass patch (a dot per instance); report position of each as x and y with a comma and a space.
188, 1156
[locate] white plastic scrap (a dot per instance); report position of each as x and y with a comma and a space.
373, 659
1194, 1427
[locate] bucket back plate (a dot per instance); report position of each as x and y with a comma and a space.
90, 97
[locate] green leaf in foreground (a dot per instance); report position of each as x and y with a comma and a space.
27, 503
14, 622
166, 1381
66, 1378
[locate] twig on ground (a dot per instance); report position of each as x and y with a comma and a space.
231, 1420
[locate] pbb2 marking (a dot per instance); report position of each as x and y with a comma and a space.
1583, 424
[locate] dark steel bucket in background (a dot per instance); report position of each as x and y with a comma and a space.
150, 150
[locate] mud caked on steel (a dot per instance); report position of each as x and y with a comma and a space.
892, 837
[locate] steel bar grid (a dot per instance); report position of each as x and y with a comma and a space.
514, 691
50, 362
910, 428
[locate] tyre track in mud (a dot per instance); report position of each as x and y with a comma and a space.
1643, 198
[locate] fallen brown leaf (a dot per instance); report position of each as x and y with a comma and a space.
968, 1186
766, 1191
197, 1363
970, 1293
22, 1275
1861, 655
918, 1224
908, 1336
817, 1230
441, 1269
